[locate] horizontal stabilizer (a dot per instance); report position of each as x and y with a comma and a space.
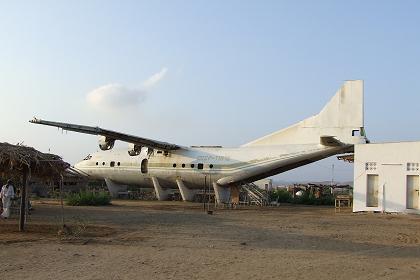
330, 141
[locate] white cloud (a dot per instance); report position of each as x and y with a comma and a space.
155, 78
120, 97
115, 96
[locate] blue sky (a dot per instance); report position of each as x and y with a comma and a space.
209, 72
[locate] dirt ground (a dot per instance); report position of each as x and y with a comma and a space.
175, 240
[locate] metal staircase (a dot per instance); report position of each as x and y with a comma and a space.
255, 195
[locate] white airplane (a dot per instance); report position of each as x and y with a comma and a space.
164, 166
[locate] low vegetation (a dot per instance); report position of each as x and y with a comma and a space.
87, 198
283, 196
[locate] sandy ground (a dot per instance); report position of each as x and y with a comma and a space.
175, 240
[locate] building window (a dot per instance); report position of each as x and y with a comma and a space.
370, 166
200, 166
413, 166
112, 163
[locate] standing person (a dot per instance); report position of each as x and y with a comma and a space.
6, 195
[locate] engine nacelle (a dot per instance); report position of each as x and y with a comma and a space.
106, 143
134, 150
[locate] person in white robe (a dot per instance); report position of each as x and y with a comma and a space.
6, 195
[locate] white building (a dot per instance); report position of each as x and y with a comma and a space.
265, 184
386, 177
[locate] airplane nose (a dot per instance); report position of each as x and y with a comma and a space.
79, 168
78, 165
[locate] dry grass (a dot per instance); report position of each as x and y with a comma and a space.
14, 158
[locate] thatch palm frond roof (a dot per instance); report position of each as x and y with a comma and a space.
15, 158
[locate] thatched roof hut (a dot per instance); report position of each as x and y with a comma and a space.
14, 159
19, 160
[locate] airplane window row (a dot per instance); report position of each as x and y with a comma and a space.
199, 165
112, 163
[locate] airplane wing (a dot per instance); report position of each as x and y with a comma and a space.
109, 134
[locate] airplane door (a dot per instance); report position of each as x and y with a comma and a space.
144, 163
144, 167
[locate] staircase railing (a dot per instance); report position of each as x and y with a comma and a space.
256, 195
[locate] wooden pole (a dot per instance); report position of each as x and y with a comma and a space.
61, 200
204, 193
22, 214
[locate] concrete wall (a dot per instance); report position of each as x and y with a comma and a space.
390, 162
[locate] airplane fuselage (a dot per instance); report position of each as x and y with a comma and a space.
197, 165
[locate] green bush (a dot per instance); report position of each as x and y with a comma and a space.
310, 199
280, 195
86, 198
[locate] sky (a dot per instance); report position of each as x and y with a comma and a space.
204, 72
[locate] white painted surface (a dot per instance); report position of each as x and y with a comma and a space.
392, 163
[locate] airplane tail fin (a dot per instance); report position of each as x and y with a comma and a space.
340, 122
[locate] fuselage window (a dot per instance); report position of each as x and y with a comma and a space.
112, 163
144, 167
200, 166
174, 165
119, 163
183, 165
192, 165
103, 163
211, 165
97, 163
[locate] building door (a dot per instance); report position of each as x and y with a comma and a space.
372, 190
413, 191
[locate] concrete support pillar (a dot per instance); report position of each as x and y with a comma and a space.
161, 194
234, 195
114, 188
186, 193
222, 193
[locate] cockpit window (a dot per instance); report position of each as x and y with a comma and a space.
88, 157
